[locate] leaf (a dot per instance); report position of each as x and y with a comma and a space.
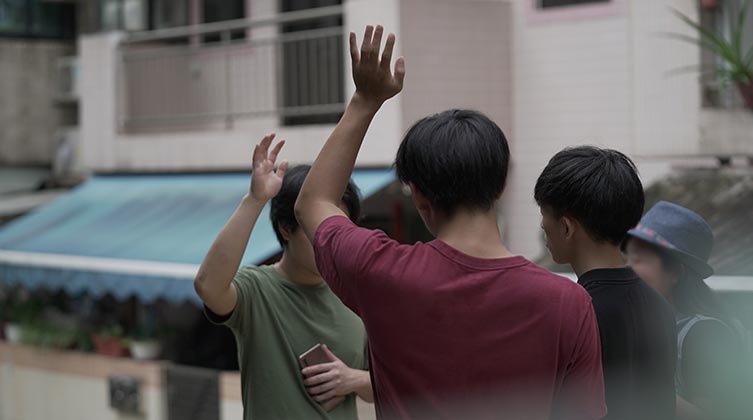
737, 26
703, 70
738, 66
695, 41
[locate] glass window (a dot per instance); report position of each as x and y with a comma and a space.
546, 4
37, 19
169, 13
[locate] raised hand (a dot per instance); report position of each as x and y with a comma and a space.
374, 81
265, 181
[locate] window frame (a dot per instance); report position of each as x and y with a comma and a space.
538, 15
31, 19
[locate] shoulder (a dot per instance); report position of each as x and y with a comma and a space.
249, 273
708, 332
554, 288
254, 277
555, 282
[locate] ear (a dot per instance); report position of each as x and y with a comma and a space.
419, 199
569, 226
284, 232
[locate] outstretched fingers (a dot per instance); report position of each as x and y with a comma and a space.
282, 169
264, 145
376, 43
276, 151
400, 71
355, 57
366, 44
387, 54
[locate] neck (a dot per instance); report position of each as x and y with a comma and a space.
594, 255
297, 273
475, 234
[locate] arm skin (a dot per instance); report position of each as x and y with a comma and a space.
375, 83
214, 280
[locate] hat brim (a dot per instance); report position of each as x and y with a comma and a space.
694, 263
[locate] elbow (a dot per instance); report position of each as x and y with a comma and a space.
200, 286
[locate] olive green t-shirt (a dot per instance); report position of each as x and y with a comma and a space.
275, 321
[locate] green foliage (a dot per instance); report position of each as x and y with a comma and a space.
737, 65
44, 334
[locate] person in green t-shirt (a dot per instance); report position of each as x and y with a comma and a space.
278, 312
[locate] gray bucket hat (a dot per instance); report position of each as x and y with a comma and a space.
681, 232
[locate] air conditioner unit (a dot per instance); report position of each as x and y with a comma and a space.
67, 89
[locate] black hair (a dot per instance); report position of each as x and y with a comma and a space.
691, 295
598, 187
457, 159
282, 214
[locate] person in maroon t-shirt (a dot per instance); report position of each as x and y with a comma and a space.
458, 327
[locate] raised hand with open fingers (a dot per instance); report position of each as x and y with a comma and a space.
265, 181
374, 80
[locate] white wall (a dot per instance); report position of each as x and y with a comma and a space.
600, 80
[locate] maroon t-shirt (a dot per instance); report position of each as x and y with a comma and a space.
454, 336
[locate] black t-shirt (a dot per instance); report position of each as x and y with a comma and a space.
638, 344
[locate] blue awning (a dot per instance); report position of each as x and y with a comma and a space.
141, 235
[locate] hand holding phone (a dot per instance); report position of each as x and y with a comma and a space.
317, 356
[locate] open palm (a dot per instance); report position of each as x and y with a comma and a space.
372, 76
265, 181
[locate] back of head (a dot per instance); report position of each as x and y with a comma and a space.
458, 159
282, 212
598, 187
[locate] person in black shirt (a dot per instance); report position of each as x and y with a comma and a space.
589, 199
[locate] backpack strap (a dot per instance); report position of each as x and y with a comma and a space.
685, 325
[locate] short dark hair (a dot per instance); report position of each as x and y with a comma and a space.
457, 159
600, 188
282, 212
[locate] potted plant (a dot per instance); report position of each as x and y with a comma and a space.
109, 341
144, 344
18, 313
737, 63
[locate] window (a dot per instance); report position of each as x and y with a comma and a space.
720, 19
552, 11
546, 4
37, 19
169, 13
222, 10
128, 15
312, 67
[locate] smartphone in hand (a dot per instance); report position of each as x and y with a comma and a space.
313, 356
316, 356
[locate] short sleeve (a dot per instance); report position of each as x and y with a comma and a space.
347, 257
239, 318
582, 393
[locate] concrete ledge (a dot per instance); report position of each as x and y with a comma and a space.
726, 132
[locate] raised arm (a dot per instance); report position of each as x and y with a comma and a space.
214, 280
375, 83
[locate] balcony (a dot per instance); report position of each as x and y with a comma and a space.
211, 76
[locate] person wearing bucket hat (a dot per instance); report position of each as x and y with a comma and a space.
589, 199
669, 249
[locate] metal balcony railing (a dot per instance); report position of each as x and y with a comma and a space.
289, 66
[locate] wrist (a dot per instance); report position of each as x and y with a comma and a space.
251, 201
362, 103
